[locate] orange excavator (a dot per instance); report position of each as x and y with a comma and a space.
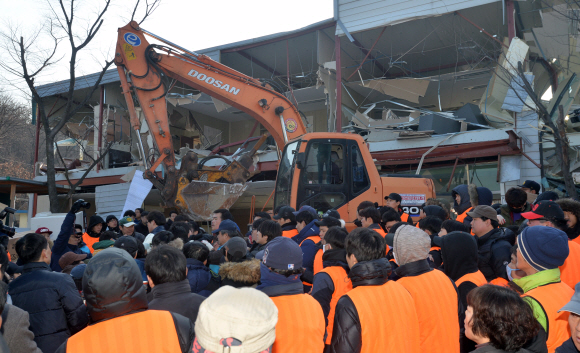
323, 170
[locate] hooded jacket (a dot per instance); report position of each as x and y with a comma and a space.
113, 287
240, 274
478, 195
90, 237
462, 190
59, 314
116, 229
573, 207
434, 210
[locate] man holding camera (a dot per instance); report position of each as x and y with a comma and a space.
68, 239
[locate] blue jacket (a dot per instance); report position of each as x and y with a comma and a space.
200, 277
53, 302
309, 248
61, 245
141, 265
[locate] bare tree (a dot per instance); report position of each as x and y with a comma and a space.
29, 62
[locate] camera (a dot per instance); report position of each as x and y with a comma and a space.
84, 204
5, 229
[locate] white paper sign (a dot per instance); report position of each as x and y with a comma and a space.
138, 190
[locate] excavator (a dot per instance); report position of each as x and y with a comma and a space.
325, 170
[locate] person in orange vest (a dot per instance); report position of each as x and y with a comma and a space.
394, 201
478, 195
307, 238
461, 201
499, 321
432, 226
96, 226
287, 221
117, 302
370, 218
571, 210
459, 254
549, 214
541, 250
494, 252
301, 326
332, 282
377, 315
236, 320
573, 307
438, 324
362, 206
324, 225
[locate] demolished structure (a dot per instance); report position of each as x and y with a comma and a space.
433, 88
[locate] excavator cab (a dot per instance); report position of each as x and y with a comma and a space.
321, 172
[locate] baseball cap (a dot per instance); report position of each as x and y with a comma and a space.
241, 319
328, 222
394, 196
483, 211
127, 221
573, 305
69, 258
307, 208
127, 243
544, 209
283, 254
285, 212
43, 230
227, 224
530, 184
237, 247
548, 196
332, 213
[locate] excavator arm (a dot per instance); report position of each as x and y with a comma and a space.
148, 71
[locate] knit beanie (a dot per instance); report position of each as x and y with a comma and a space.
410, 244
543, 248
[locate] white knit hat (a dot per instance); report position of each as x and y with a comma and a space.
244, 320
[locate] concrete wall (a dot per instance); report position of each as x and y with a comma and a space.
527, 123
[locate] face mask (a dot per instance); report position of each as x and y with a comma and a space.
509, 272
516, 210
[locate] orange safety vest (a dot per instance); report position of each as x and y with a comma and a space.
398, 331
552, 297
118, 335
342, 285
438, 323
300, 326
290, 233
87, 239
404, 217
318, 262
576, 240
570, 271
476, 278
500, 281
314, 238
380, 231
462, 216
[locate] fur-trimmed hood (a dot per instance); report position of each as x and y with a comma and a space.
240, 274
479, 195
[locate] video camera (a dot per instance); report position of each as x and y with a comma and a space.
5, 229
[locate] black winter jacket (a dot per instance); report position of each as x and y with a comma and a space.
177, 298
323, 286
492, 252
347, 332
113, 287
61, 245
567, 347
53, 302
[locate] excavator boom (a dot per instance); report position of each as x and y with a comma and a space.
148, 72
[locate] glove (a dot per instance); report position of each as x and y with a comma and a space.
77, 206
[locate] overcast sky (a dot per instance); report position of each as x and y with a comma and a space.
191, 24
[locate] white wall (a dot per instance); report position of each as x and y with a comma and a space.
360, 15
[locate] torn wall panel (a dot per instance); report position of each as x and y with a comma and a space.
408, 89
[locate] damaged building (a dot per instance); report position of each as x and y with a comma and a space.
432, 87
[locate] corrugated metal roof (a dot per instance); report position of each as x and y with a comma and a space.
82, 82
112, 75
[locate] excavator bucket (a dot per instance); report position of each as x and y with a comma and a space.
202, 198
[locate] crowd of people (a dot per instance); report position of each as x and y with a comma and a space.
468, 277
